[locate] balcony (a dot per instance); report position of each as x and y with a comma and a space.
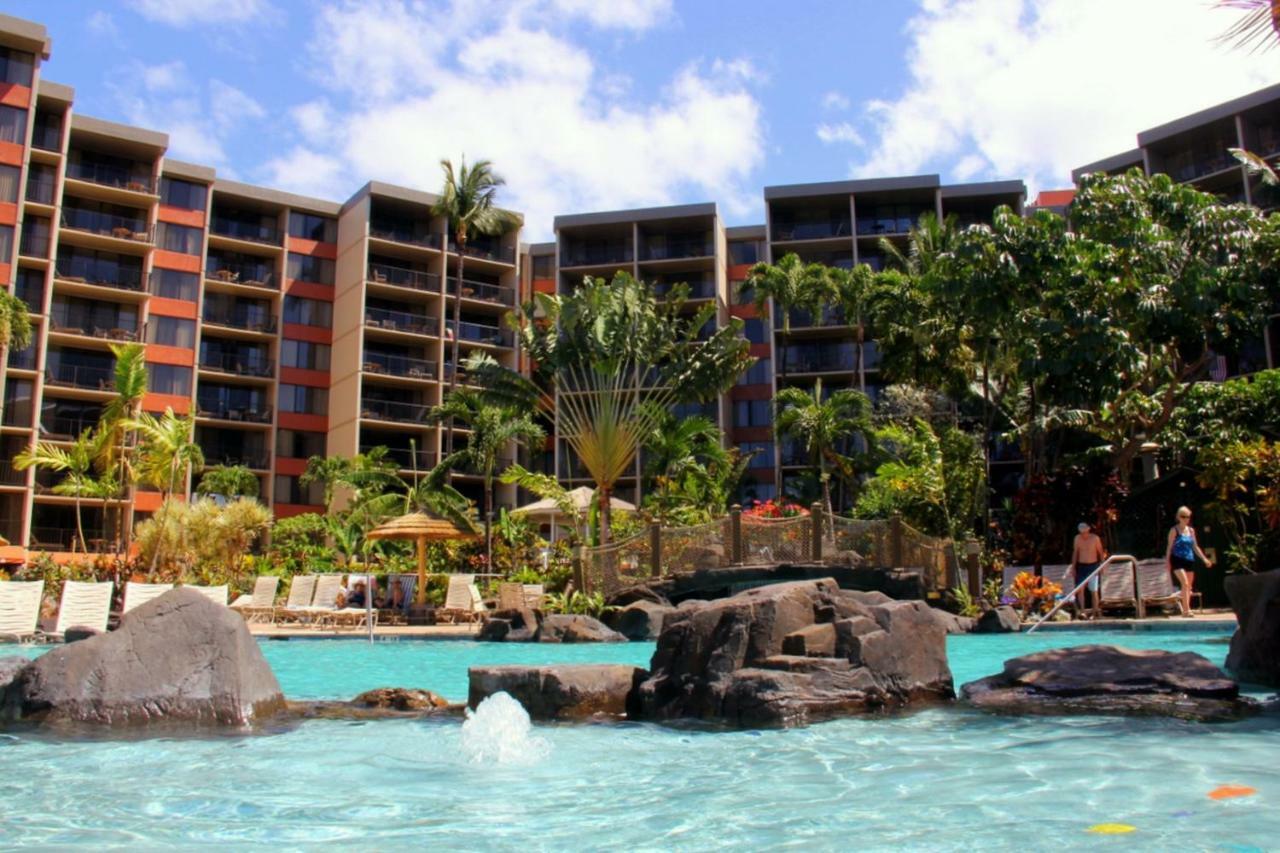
595, 256
45, 538
71, 324
252, 231
35, 242
244, 272
406, 236
41, 189
67, 426
401, 321
391, 410
815, 230
483, 291
47, 134
107, 225
254, 459
226, 410
243, 320
83, 376
10, 475
404, 277
22, 359
405, 458
398, 365
243, 363
704, 289
478, 333
1190, 170
486, 251
107, 175
803, 319
670, 250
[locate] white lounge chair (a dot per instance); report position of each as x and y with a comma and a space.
216, 594
1116, 586
20, 608
478, 607
261, 605
302, 589
459, 601
138, 594
84, 604
1155, 586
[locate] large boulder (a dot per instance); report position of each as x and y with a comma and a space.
791, 653
1255, 646
640, 620
10, 666
511, 626
1110, 680
998, 620
558, 692
953, 623
178, 659
575, 628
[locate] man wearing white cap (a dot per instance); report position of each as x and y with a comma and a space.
1086, 555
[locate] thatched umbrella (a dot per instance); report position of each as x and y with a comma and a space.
422, 528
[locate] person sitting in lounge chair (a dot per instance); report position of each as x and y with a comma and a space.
393, 599
357, 597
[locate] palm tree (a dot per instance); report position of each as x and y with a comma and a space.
167, 456
229, 481
820, 425
15, 328
693, 475
467, 200
118, 427
334, 472
493, 429
790, 284
851, 290
1257, 29
76, 462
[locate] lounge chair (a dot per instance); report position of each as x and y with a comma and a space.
20, 608
261, 605
1155, 586
216, 594
459, 604
324, 600
1061, 575
1116, 586
138, 594
533, 595
478, 608
511, 596
349, 617
84, 604
301, 590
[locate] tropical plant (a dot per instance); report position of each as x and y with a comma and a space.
790, 285
229, 482
1257, 29
962, 601
298, 542
577, 602
548, 488
691, 477
822, 425
468, 201
335, 472
851, 291
1030, 593
15, 327
76, 462
167, 454
204, 539
118, 448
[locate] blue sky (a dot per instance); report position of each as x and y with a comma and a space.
587, 105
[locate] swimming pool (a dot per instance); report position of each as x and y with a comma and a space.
940, 779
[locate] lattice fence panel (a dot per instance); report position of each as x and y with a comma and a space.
857, 542
931, 553
619, 564
699, 546
776, 540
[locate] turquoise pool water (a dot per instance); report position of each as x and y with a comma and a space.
940, 779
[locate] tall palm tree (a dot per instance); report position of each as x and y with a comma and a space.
118, 426
167, 455
1257, 29
15, 329
790, 284
693, 475
493, 430
76, 462
820, 425
851, 290
467, 199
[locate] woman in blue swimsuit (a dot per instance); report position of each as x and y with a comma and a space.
1181, 553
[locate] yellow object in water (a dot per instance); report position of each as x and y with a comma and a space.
1112, 828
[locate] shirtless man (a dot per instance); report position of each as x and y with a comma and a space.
1086, 555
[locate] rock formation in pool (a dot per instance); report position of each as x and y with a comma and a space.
793, 653
178, 659
535, 626
1255, 646
1110, 680
558, 692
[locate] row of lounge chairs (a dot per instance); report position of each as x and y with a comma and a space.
86, 604
1123, 584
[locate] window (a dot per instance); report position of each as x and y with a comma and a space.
752, 413
16, 66
760, 373
6, 244
543, 266
9, 184
304, 400
308, 268
37, 237
762, 450
290, 491
305, 354
308, 312
179, 238
183, 194
169, 379
17, 402
755, 331
174, 284
171, 331
13, 125
744, 252
299, 444
29, 287
308, 226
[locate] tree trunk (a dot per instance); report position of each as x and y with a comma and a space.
606, 506
79, 523
488, 522
461, 239
859, 333
826, 487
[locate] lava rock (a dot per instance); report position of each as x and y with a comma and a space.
575, 628
1255, 646
10, 666
640, 620
1112, 680
79, 632
998, 620
558, 692
177, 659
955, 624
738, 660
400, 699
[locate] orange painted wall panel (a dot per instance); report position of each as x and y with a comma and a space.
14, 95
11, 154
314, 248
738, 272
299, 376
752, 434
8, 214
752, 392
292, 467
160, 354
308, 290
181, 216
287, 510
760, 350
159, 402
146, 501
176, 261
314, 334
746, 312
171, 307
294, 420
6, 272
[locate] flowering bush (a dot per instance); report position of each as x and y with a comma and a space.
775, 509
1031, 593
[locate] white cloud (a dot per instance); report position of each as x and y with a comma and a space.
835, 102
519, 90
842, 132
101, 24
187, 13
621, 14
1015, 88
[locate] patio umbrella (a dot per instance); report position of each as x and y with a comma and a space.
582, 497
422, 528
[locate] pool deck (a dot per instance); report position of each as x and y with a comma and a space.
1203, 620
389, 632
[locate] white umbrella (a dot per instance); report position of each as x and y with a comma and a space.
582, 498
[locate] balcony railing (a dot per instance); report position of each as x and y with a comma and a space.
46, 137
404, 277
81, 376
401, 321
803, 319
64, 426
31, 291
238, 363
62, 539
259, 460
22, 359
697, 289
390, 410
226, 411
811, 230
252, 321
107, 224
398, 235
404, 457
41, 189
111, 176
83, 326
34, 244
504, 254
673, 250
483, 291
399, 365
1199, 168
818, 364
482, 334
238, 229
237, 272
10, 475
582, 257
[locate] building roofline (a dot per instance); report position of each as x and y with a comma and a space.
280, 197
541, 248
25, 35
745, 232
639, 214
1226, 109
1131, 157
55, 91
983, 188
861, 185
192, 171
101, 127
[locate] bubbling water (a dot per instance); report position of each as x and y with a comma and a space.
499, 731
